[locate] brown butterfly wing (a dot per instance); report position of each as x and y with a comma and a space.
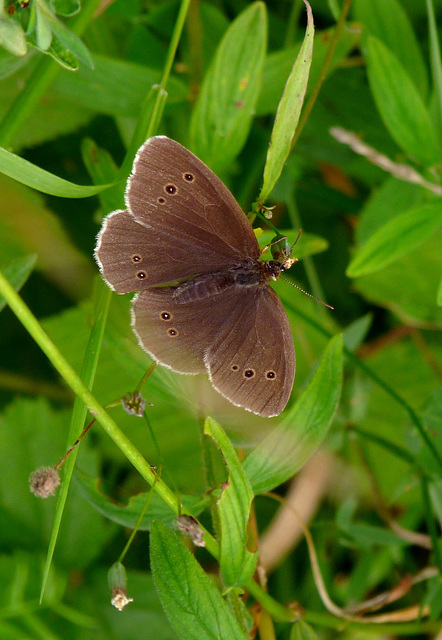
163, 237
251, 361
173, 191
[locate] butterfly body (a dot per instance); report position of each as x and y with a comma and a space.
204, 301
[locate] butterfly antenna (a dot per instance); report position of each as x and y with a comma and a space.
308, 294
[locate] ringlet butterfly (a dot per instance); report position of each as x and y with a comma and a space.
205, 303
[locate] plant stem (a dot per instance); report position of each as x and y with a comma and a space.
34, 328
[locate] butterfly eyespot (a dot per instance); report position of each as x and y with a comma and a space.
171, 189
161, 200
249, 373
172, 333
234, 367
188, 177
141, 275
136, 258
270, 375
165, 315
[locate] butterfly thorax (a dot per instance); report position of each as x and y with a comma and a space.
245, 273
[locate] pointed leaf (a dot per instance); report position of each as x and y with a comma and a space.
289, 110
27, 173
237, 563
399, 236
192, 603
400, 104
288, 447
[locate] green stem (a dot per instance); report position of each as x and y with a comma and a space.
42, 78
33, 327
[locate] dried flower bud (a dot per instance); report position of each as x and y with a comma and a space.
134, 403
43, 482
190, 527
118, 583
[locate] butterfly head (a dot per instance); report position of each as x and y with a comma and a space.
281, 250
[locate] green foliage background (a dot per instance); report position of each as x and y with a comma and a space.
77, 99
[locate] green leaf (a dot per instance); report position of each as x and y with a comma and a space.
237, 563
225, 107
192, 603
400, 105
29, 174
43, 31
288, 447
387, 20
69, 40
17, 272
409, 285
401, 235
58, 52
127, 515
289, 110
12, 36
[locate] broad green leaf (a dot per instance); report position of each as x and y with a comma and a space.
400, 105
127, 515
29, 174
17, 272
387, 20
289, 445
408, 286
289, 110
439, 293
236, 562
401, 235
223, 113
192, 603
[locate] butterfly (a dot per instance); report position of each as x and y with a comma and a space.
204, 303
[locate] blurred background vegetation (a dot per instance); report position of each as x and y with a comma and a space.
58, 89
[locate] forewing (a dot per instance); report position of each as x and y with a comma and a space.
252, 359
172, 191
133, 257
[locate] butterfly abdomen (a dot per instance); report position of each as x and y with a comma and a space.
246, 273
